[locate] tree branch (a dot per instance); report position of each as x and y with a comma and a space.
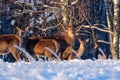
74, 2
93, 27
102, 41
45, 29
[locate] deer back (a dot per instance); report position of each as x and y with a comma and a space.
40, 49
64, 41
36, 46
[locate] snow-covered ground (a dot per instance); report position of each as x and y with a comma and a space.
61, 70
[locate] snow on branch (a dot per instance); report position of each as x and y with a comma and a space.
48, 28
94, 27
74, 2
59, 3
102, 41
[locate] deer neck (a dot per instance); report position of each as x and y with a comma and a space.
69, 36
81, 49
19, 39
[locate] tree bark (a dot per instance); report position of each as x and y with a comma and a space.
112, 13
116, 25
64, 11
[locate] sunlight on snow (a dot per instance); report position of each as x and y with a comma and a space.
61, 70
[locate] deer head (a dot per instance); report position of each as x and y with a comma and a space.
23, 33
69, 36
82, 46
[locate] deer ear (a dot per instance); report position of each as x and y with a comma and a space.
17, 28
79, 39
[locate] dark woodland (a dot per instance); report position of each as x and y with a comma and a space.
92, 20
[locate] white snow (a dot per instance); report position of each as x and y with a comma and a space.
61, 70
13, 22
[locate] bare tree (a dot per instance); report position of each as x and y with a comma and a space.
112, 11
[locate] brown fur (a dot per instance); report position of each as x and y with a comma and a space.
36, 46
40, 49
80, 50
65, 41
67, 53
7, 42
38, 43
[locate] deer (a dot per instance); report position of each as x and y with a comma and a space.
40, 48
36, 45
78, 53
94, 50
65, 41
97, 52
8, 42
38, 42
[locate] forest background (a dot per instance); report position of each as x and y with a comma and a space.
95, 19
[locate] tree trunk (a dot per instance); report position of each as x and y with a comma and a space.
109, 8
112, 10
64, 11
116, 25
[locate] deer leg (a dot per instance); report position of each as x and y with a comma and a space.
44, 58
67, 52
35, 57
49, 55
70, 57
59, 55
24, 57
15, 53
